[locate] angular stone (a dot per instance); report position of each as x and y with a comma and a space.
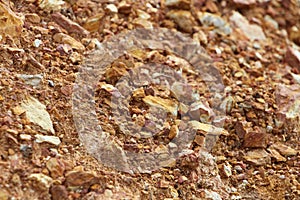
29, 79
43, 180
258, 157
183, 19
284, 149
36, 113
166, 104
94, 23
51, 5
33, 18
275, 154
63, 38
56, 167
208, 19
46, 138
207, 128
81, 178
69, 25
139, 22
251, 31
59, 192
255, 139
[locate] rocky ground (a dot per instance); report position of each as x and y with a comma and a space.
246, 140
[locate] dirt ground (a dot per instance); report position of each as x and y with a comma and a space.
241, 106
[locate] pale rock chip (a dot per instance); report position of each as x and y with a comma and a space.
46, 138
36, 113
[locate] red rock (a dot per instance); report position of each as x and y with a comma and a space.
241, 128
292, 57
255, 139
59, 192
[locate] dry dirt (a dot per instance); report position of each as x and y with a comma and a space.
246, 139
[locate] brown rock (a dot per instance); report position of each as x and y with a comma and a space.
275, 154
10, 23
241, 128
56, 167
294, 35
124, 7
80, 178
63, 38
199, 140
258, 157
59, 192
94, 23
69, 25
183, 19
33, 18
292, 57
163, 184
284, 149
255, 139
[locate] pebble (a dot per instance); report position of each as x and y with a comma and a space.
258, 157
268, 19
163, 184
255, 139
43, 180
33, 18
51, 5
51, 83
56, 167
284, 149
33, 80
25, 137
64, 38
59, 192
167, 105
209, 19
295, 35
251, 31
112, 8
46, 138
212, 195
275, 154
81, 178
37, 43
183, 19
35, 112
